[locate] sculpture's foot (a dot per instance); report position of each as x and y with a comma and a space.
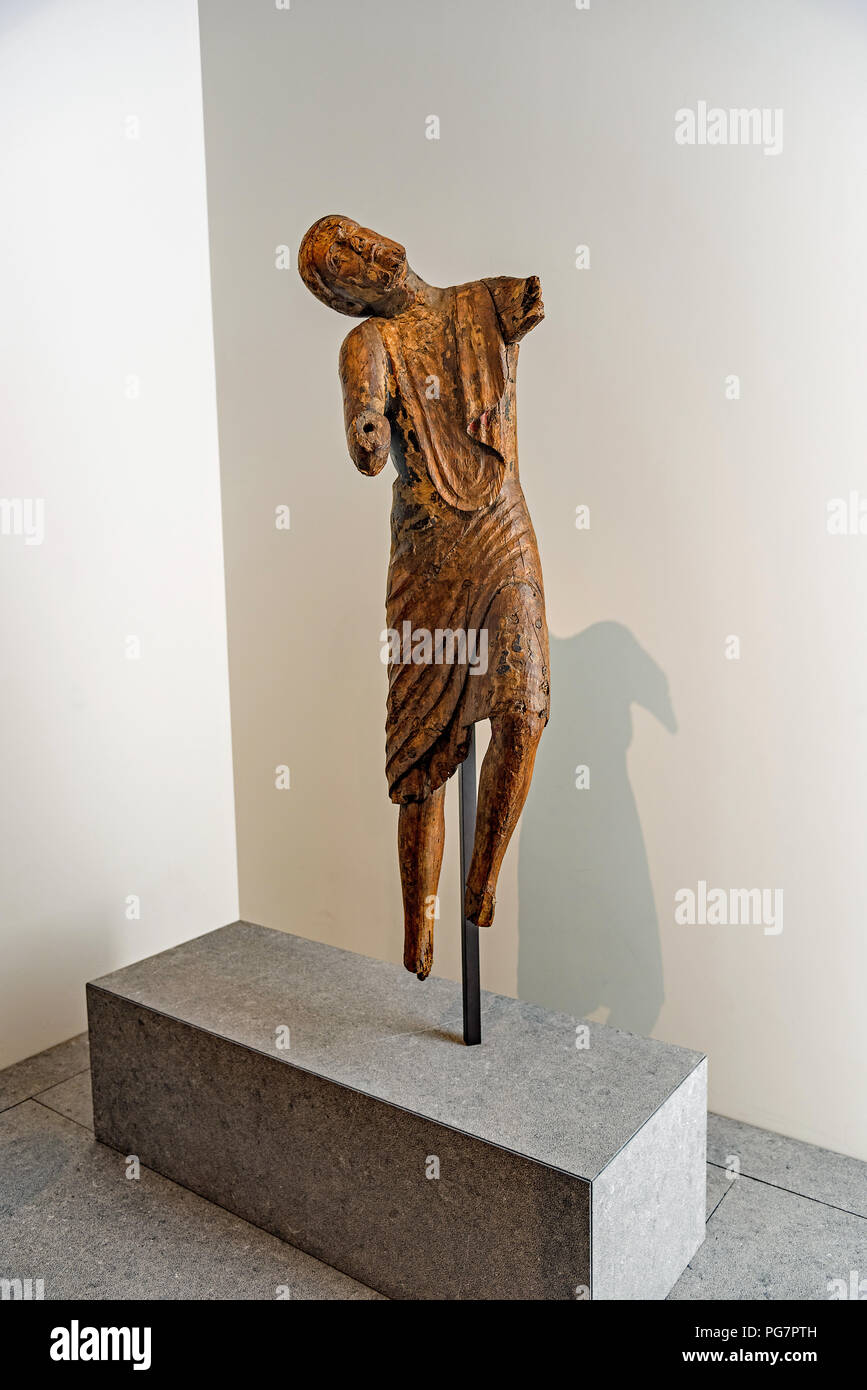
480, 907
418, 951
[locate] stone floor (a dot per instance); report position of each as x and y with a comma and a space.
791, 1223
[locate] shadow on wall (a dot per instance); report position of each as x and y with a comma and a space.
588, 930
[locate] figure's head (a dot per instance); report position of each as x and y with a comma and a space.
353, 270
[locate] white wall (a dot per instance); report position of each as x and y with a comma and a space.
708, 514
116, 772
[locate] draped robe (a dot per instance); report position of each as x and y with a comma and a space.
463, 550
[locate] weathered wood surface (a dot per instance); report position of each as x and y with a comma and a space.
428, 378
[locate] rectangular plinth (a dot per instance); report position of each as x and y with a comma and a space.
327, 1098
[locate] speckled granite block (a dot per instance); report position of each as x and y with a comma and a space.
327, 1098
648, 1211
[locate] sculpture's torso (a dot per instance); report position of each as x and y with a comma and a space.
463, 550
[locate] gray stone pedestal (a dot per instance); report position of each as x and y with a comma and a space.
327, 1098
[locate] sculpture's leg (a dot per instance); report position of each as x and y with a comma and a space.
503, 786
420, 839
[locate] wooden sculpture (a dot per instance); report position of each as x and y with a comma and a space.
429, 377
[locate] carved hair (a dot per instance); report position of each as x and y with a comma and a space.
314, 270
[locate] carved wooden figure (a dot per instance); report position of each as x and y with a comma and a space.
429, 377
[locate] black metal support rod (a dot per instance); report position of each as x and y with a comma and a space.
469, 930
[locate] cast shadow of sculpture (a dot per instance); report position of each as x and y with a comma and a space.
588, 928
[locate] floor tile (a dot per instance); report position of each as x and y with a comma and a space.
24, 1079
718, 1184
71, 1217
789, 1163
71, 1098
763, 1243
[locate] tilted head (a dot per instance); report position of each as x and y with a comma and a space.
353, 270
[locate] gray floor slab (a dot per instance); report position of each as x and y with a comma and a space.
70, 1216
764, 1243
24, 1079
789, 1163
71, 1098
718, 1184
